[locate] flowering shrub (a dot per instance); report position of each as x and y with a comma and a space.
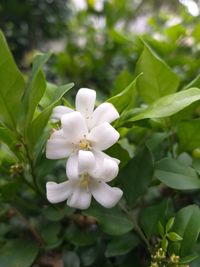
146, 137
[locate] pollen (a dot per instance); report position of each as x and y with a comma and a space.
85, 181
84, 145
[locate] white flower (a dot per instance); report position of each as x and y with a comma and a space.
87, 177
74, 136
85, 103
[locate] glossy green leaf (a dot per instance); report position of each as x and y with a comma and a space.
150, 216
176, 175
11, 87
193, 83
112, 221
18, 253
134, 179
122, 81
187, 225
125, 99
168, 105
37, 89
174, 237
187, 133
157, 80
170, 224
121, 245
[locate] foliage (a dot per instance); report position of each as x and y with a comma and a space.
157, 222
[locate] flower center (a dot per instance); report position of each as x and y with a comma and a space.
84, 145
85, 181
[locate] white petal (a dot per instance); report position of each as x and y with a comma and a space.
105, 112
58, 149
106, 195
103, 136
108, 170
59, 111
80, 199
101, 154
85, 101
86, 161
57, 134
72, 167
59, 192
74, 126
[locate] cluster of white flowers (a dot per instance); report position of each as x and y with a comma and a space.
82, 138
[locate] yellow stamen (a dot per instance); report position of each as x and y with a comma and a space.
85, 181
84, 145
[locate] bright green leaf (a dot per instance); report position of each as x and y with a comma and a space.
11, 87
157, 80
187, 225
168, 105
187, 133
169, 224
125, 99
176, 175
174, 237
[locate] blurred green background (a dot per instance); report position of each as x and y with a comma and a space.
97, 42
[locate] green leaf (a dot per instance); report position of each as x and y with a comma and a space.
71, 259
39, 61
193, 83
121, 245
164, 244
122, 81
53, 214
176, 175
188, 259
11, 88
170, 224
112, 221
134, 178
174, 237
150, 216
168, 105
80, 237
37, 89
187, 133
18, 253
161, 229
9, 190
9, 138
50, 234
187, 225
125, 99
157, 80
118, 151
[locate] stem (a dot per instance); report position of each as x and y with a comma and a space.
32, 229
32, 171
136, 226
